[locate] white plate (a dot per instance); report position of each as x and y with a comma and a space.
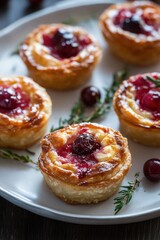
21, 183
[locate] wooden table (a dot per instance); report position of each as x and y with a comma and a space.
17, 223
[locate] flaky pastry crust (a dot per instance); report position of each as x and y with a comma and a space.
135, 123
100, 181
133, 48
63, 74
22, 130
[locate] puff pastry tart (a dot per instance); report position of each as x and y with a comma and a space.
84, 163
132, 30
137, 104
25, 108
59, 56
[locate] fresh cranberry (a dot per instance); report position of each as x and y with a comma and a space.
147, 95
151, 100
68, 49
151, 169
12, 98
90, 95
8, 98
132, 21
65, 43
62, 35
85, 144
132, 24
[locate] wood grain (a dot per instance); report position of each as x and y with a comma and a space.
17, 223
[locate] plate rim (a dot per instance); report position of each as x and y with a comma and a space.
77, 218
56, 7
45, 211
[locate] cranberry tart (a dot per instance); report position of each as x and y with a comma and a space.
132, 30
137, 104
25, 108
59, 56
84, 163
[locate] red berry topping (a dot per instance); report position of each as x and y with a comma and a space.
147, 95
64, 44
90, 95
140, 82
47, 41
151, 169
121, 15
134, 22
12, 99
62, 35
85, 144
8, 98
151, 100
81, 153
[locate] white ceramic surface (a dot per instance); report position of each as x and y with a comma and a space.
22, 183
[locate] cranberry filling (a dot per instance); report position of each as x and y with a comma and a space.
148, 96
131, 21
151, 100
81, 153
64, 44
12, 99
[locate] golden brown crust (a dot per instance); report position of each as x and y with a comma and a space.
101, 180
23, 130
137, 49
139, 125
56, 74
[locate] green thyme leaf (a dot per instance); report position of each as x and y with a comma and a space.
8, 154
156, 81
126, 194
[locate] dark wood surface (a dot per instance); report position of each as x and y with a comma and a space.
17, 223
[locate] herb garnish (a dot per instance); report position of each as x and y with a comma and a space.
78, 112
155, 81
126, 194
8, 154
30, 151
15, 52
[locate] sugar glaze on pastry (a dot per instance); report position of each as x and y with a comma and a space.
132, 30
137, 104
25, 108
59, 56
84, 163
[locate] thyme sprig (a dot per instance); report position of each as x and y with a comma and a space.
155, 81
8, 154
76, 116
78, 112
15, 52
30, 152
126, 194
